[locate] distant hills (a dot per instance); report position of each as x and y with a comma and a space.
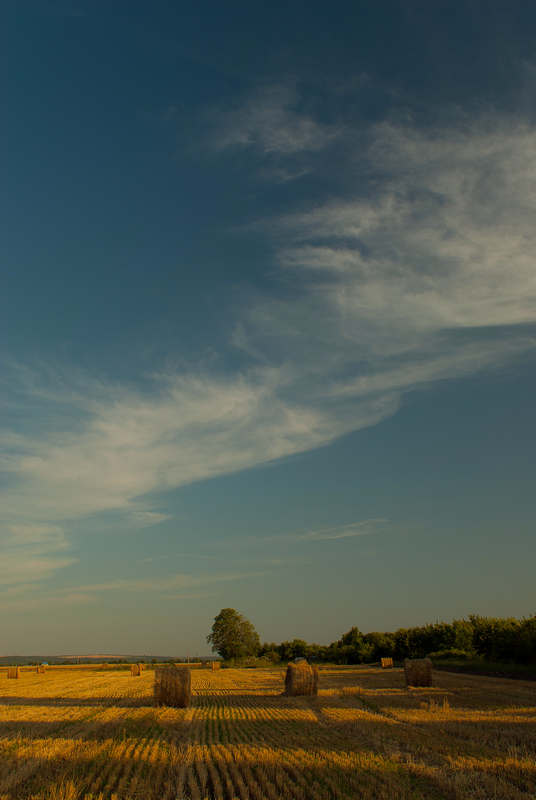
94, 659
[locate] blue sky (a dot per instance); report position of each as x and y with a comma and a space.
267, 319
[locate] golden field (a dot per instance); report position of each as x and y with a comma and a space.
75, 734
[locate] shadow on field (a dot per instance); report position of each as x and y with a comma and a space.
88, 730
279, 778
76, 702
287, 772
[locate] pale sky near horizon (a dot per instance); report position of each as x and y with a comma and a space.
267, 317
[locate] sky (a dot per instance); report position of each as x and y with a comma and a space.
267, 318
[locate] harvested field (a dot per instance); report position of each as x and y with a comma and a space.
97, 735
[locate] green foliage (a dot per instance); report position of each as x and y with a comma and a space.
446, 655
268, 647
500, 640
352, 648
382, 644
525, 647
298, 648
272, 656
495, 638
233, 636
417, 642
352, 639
505, 639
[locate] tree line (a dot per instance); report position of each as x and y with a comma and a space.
491, 638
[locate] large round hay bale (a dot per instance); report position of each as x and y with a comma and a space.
418, 672
215, 665
135, 670
301, 679
13, 672
172, 686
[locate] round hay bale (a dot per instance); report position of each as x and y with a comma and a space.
172, 686
135, 670
13, 672
418, 672
301, 679
215, 665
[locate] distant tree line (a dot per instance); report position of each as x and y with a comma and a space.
492, 638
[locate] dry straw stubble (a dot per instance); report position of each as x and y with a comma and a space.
301, 679
172, 686
238, 741
418, 672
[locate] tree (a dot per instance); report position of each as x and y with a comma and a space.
353, 649
233, 636
298, 648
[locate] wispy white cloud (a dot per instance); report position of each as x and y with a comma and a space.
178, 555
163, 584
30, 552
363, 528
193, 595
346, 531
430, 276
49, 536
130, 444
21, 605
269, 123
146, 519
268, 120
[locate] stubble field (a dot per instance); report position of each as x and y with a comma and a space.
96, 735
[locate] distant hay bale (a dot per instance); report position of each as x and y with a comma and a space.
301, 679
135, 669
215, 665
172, 686
418, 672
13, 672
41, 670
387, 663
105, 666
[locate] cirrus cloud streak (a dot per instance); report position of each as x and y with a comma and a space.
427, 277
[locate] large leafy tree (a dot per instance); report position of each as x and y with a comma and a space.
233, 636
